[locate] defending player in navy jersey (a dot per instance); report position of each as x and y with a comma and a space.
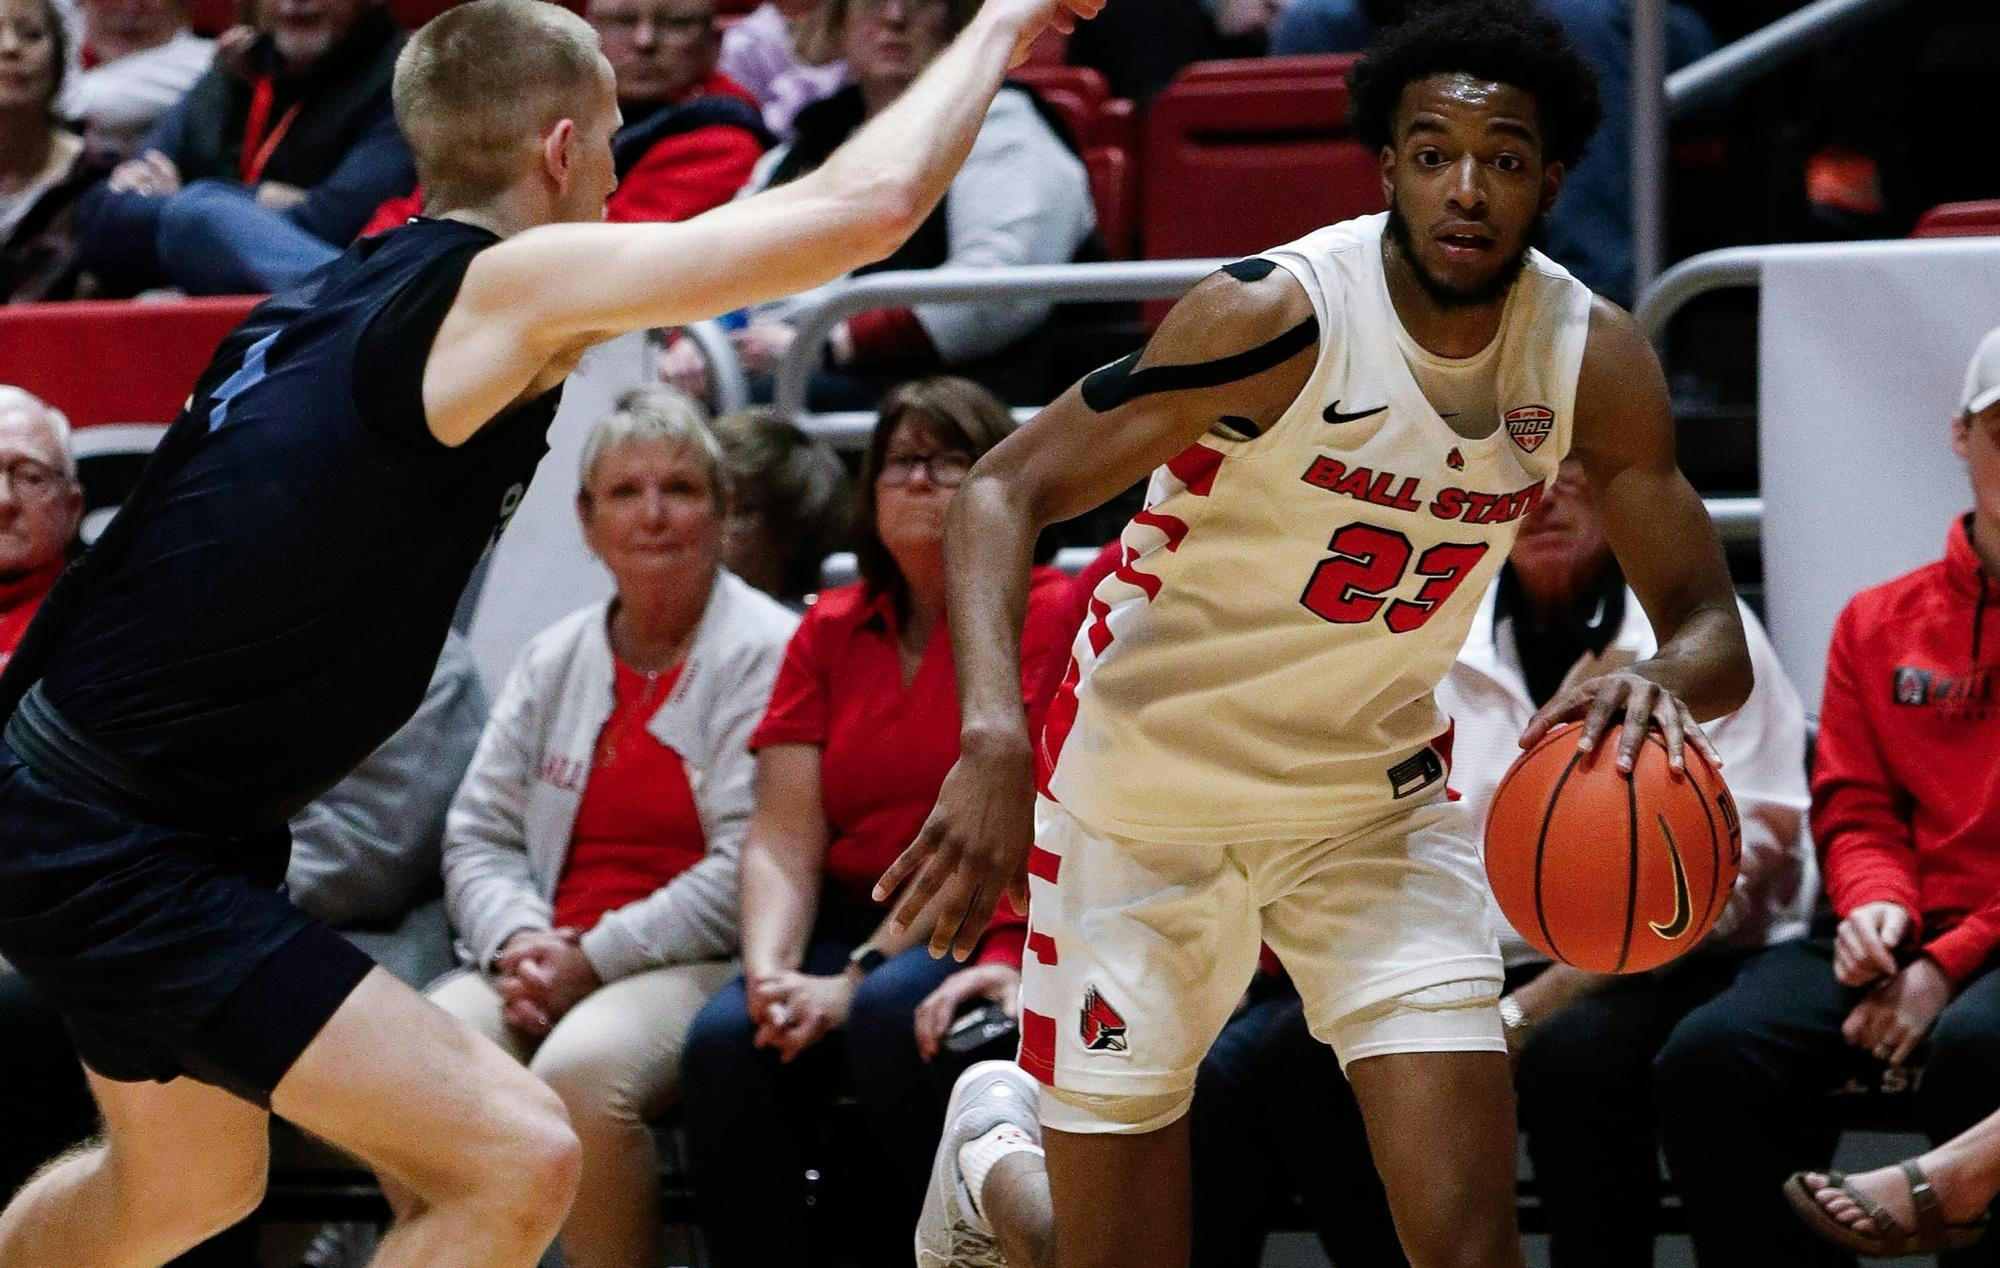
267, 608
1343, 434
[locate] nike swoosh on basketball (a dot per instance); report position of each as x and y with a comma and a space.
1333, 414
1683, 913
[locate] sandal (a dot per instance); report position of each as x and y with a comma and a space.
1890, 1239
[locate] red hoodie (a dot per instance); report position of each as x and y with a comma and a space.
1906, 785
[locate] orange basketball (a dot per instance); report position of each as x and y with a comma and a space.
1606, 873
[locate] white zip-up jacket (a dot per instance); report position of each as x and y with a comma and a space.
508, 833
1763, 758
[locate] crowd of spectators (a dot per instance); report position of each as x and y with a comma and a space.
645, 871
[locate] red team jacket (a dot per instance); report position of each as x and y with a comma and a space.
1906, 785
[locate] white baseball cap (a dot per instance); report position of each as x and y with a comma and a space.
1982, 377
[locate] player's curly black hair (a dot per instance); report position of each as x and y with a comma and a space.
1505, 41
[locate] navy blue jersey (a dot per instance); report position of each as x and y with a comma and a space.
268, 606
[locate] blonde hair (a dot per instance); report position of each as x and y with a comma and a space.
653, 413
478, 85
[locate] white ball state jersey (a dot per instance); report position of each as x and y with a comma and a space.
1261, 663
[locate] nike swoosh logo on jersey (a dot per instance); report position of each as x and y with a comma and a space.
1333, 414
1683, 911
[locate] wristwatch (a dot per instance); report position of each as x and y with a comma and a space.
1511, 1015
867, 958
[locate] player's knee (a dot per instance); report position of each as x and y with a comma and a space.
1089, 1114
546, 1161
199, 1200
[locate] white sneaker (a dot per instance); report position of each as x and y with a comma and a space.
950, 1232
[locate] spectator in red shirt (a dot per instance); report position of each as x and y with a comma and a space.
1906, 811
691, 135
40, 508
863, 725
590, 856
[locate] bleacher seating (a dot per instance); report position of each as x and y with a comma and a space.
1239, 155
1104, 129
1960, 220
111, 361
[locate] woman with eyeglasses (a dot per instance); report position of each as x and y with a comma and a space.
862, 726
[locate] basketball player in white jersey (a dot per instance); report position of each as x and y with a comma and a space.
1343, 435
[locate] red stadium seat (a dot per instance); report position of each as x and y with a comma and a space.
1960, 220
1051, 48
122, 361
1242, 155
1078, 92
1113, 187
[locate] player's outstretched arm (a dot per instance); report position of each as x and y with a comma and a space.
530, 301
1662, 536
1241, 344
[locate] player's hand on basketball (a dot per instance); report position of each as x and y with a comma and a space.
1898, 1013
1864, 949
998, 983
972, 851
1642, 703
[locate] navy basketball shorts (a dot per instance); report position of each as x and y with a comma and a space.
168, 952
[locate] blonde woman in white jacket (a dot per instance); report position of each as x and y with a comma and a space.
590, 856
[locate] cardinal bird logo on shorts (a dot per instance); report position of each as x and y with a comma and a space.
1103, 1029
1529, 425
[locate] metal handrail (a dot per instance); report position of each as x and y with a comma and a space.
728, 389
1658, 97
1134, 279
1790, 37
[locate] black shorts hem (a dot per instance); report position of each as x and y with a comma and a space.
257, 1034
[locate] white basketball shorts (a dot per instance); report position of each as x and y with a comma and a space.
1138, 953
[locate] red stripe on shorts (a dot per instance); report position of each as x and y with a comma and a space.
1044, 864
1038, 1045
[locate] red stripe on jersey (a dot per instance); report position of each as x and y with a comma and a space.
1195, 467
1132, 576
1038, 1045
1055, 727
1044, 864
1100, 625
1043, 946
1173, 526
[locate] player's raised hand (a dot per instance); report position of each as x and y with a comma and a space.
1642, 702
973, 849
1032, 17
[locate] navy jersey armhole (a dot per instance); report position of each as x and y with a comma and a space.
395, 347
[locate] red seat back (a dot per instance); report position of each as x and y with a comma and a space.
122, 361
1114, 189
1077, 92
1240, 156
1960, 220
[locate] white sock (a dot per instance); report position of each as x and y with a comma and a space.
977, 1158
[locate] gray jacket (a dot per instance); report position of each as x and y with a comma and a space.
366, 851
508, 834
